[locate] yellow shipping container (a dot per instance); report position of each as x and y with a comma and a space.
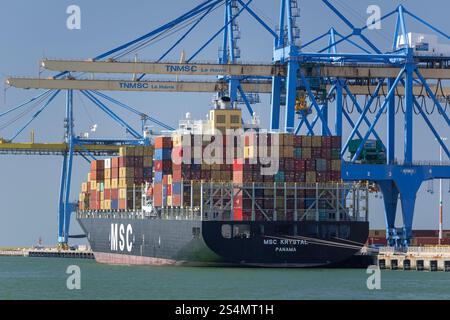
84, 187
216, 176
102, 196
288, 152
102, 205
107, 174
139, 151
93, 185
126, 182
123, 193
126, 172
288, 140
149, 151
311, 177
126, 152
306, 153
250, 152
169, 179
107, 205
316, 142
336, 165
169, 201
114, 183
89, 177
225, 176
107, 184
306, 142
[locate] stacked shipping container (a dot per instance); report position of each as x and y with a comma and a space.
302, 159
117, 183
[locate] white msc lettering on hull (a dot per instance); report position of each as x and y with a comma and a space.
121, 238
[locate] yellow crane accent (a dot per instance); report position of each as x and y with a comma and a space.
54, 148
301, 104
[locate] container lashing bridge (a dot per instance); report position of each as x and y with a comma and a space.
307, 84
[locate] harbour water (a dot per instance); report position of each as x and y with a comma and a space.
26, 278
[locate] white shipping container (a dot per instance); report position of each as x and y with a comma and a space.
107, 163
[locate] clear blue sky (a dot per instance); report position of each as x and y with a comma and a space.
31, 30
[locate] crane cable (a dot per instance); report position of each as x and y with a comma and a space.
21, 115
163, 35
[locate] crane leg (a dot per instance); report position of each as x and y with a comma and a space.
390, 197
291, 96
276, 104
61, 207
408, 187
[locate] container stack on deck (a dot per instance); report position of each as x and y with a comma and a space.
302, 160
117, 183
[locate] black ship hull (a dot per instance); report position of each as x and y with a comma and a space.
223, 243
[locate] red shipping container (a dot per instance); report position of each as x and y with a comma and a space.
114, 194
176, 200
126, 162
169, 190
336, 142
238, 214
115, 163
157, 194
325, 153
238, 177
326, 142
297, 141
300, 165
238, 165
158, 165
98, 175
107, 194
163, 142
97, 165
177, 176
114, 173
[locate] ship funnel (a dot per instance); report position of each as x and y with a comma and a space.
225, 103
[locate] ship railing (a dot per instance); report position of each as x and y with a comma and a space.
281, 201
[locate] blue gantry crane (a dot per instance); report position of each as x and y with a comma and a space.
307, 84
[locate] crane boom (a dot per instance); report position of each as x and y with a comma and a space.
185, 86
206, 69
140, 86
189, 69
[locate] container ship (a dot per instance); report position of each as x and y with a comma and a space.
220, 192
